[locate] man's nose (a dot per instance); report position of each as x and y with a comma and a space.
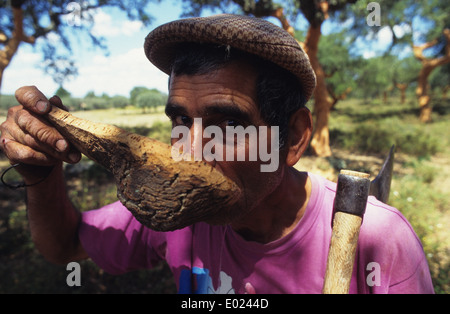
198, 142
196, 132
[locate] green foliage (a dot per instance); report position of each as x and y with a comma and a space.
374, 128
150, 99
258, 8
6, 102
406, 70
119, 101
91, 103
408, 21
374, 76
62, 92
135, 92
379, 136
440, 77
339, 65
160, 131
420, 186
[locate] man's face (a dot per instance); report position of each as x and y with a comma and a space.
226, 97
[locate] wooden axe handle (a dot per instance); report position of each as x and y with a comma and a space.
349, 206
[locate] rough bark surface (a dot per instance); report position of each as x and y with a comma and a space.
428, 65
320, 143
163, 194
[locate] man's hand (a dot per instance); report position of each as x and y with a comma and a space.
27, 138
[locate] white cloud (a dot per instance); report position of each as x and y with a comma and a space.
22, 71
384, 37
131, 27
106, 25
113, 75
367, 54
371, 46
402, 30
117, 75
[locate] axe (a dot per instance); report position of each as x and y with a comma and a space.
353, 189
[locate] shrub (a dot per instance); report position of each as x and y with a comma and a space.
378, 136
150, 99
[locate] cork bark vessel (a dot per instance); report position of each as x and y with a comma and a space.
163, 194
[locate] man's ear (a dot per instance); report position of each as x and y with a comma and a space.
300, 130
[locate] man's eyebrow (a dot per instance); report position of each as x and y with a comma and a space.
229, 110
172, 110
225, 109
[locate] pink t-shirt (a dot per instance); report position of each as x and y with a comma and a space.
215, 259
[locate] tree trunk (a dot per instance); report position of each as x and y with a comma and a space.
422, 92
428, 65
279, 14
12, 44
334, 99
320, 143
402, 87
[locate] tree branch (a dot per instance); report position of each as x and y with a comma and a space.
418, 50
279, 14
3, 38
324, 6
18, 27
12, 44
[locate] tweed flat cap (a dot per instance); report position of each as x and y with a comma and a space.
252, 35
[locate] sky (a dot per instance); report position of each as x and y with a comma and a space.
126, 65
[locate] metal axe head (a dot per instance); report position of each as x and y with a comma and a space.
381, 185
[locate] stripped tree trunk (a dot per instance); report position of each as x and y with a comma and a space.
334, 99
402, 87
320, 143
428, 65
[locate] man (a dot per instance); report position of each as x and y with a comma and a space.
227, 71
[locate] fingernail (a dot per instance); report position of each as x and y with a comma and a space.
74, 157
61, 145
42, 106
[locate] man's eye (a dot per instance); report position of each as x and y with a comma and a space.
181, 120
231, 122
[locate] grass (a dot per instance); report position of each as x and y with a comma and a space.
373, 129
127, 117
361, 135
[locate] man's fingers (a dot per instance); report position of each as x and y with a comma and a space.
29, 130
19, 153
56, 101
40, 130
32, 99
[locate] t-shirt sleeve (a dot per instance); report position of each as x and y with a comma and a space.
390, 243
117, 242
